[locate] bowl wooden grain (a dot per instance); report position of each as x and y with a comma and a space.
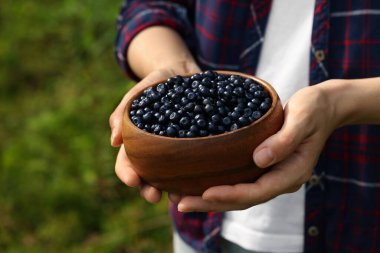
191, 165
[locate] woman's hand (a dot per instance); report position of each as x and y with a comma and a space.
293, 153
124, 168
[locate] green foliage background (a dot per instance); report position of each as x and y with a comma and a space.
59, 83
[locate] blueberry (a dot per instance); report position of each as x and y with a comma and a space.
209, 108
153, 96
203, 104
190, 134
189, 106
209, 73
211, 127
196, 77
140, 112
184, 101
181, 133
156, 106
171, 132
221, 129
223, 110
234, 126
174, 126
252, 105
157, 129
215, 118
206, 81
229, 88
221, 78
203, 90
198, 109
201, 123
179, 89
243, 120
147, 116
174, 117
194, 129
161, 119
237, 82
136, 120
264, 106
134, 105
184, 121
235, 114
163, 108
247, 112
203, 133
191, 96
255, 101
161, 88
248, 95
259, 94
219, 103
248, 81
226, 121
256, 115
195, 84
167, 113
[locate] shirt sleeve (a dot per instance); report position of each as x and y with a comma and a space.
137, 15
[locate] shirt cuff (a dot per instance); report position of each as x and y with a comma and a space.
134, 19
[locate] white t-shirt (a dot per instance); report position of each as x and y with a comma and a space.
277, 226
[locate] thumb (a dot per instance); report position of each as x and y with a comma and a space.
278, 146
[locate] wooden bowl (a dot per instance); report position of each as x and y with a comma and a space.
191, 165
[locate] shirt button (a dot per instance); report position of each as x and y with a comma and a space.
314, 180
313, 231
319, 55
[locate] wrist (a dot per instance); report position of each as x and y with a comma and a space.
337, 92
353, 101
158, 48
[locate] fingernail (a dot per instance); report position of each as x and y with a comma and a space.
264, 158
181, 208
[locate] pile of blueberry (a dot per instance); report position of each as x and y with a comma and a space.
203, 104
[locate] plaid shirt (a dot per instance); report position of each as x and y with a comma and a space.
343, 195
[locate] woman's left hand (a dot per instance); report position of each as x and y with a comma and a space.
292, 152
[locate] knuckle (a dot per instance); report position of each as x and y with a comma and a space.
111, 119
286, 139
306, 177
117, 171
293, 188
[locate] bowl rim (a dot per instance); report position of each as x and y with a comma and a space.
268, 87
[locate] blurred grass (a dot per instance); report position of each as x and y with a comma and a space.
58, 85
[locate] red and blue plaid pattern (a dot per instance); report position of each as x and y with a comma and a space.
343, 205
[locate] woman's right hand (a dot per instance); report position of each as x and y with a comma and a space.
123, 167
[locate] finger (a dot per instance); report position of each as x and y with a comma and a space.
197, 204
151, 194
124, 169
285, 177
175, 198
280, 145
115, 121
